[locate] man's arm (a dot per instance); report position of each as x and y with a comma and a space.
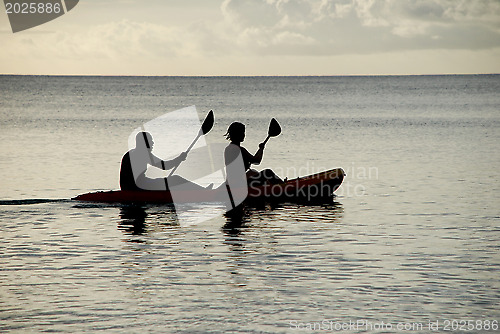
167, 164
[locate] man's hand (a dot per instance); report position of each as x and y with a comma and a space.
182, 156
262, 145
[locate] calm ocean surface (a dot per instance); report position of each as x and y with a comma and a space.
413, 236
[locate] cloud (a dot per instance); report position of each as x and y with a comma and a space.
362, 26
121, 47
114, 40
418, 17
259, 37
285, 27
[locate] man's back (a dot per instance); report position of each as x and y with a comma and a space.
127, 181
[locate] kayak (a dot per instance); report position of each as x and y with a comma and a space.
312, 188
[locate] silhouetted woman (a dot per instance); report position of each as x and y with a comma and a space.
236, 134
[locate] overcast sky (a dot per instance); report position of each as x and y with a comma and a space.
259, 37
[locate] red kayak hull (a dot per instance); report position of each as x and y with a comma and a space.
320, 186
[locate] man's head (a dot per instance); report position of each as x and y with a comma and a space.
144, 139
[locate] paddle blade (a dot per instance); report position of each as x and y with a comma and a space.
208, 123
274, 128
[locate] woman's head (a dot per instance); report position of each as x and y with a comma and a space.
236, 132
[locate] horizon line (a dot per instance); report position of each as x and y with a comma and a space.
245, 76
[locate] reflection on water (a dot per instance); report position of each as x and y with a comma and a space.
134, 219
246, 226
243, 215
236, 218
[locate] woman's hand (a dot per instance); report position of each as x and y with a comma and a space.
262, 145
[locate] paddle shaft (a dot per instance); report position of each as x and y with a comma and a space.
207, 125
187, 151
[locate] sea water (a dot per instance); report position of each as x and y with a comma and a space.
412, 238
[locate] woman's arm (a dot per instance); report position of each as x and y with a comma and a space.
253, 159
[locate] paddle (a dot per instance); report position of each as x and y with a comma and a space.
207, 125
274, 130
